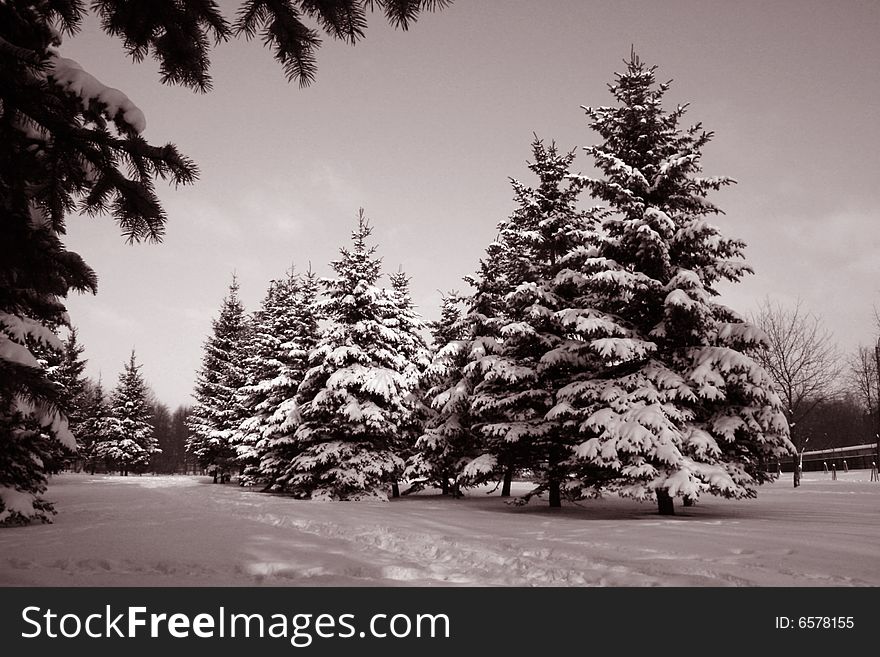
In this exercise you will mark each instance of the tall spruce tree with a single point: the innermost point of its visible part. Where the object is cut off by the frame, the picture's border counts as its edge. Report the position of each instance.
(130, 442)
(354, 399)
(217, 413)
(406, 321)
(64, 368)
(277, 445)
(270, 325)
(285, 330)
(678, 407)
(516, 402)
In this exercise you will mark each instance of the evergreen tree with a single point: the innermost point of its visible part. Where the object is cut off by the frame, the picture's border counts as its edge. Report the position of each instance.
(485, 318)
(130, 442)
(285, 329)
(407, 323)
(68, 375)
(353, 400)
(448, 442)
(448, 328)
(95, 426)
(262, 367)
(276, 446)
(453, 450)
(516, 401)
(677, 407)
(217, 414)
(64, 369)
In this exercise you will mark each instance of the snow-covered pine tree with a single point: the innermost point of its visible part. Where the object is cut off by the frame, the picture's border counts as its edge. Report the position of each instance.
(93, 431)
(448, 442)
(516, 401)
(483, 323)
(217, 413)
(406, 321)
(452, 450)
(68, 373)
(263, 362)
(63, 368)
(130, 442)
(277, 447)
(679, 407)
(353, 400)
(448, 327)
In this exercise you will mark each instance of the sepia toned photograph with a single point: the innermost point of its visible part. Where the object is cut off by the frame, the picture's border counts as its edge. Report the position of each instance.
(423, 293)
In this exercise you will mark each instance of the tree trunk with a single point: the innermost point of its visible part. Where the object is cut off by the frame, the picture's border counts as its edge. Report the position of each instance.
(665, 507)
(395, 490)
(688, 500)
(508, 479)
(215, 477)
(796, 476)
(555, 497)
(444, 486)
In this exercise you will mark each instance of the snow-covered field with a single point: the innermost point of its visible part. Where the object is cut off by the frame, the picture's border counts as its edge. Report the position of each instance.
(185, 531)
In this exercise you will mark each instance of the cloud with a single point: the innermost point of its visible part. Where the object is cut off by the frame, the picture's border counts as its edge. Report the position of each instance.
(108, 318)
(828, 261)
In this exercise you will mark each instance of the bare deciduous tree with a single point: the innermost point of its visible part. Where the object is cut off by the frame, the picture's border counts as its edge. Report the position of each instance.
(864, 371)
(803, 360)
(863, 377)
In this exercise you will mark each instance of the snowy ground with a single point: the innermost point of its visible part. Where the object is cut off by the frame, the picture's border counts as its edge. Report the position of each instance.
(185, 531)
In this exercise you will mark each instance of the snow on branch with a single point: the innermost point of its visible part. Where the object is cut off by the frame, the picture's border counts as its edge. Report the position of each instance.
(70, 76)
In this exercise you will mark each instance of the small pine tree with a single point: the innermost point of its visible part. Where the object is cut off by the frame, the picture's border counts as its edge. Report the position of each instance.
(95, 426)
(448, 442)
(453, 448)
(354, 399)
(217, 414)
(130, 443)
(68, 374)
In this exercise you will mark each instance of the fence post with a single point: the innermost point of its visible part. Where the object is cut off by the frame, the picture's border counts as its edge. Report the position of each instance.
(834, 472)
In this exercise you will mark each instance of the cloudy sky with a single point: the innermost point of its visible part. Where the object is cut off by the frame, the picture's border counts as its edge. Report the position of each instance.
(423, 128)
